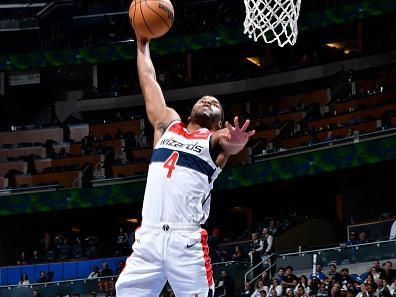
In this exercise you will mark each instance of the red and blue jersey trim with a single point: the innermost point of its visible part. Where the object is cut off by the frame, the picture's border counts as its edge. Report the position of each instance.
(180, 129)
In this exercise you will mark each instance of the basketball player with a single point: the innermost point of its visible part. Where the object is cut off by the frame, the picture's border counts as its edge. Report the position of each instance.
(170, 245)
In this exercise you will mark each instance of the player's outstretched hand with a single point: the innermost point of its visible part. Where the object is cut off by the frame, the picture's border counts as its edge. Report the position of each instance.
(237, 137)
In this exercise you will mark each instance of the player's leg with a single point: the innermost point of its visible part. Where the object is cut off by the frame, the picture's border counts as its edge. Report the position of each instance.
(143, 275)
(187, 264)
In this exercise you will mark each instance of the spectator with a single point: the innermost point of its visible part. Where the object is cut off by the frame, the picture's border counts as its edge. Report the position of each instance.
(35, 257)
(363, 238)
(281, 275)
(64, 249)
(24, 280)
(301, 291)
(247, 292)
(122, 242)
(36, 293)
(213, 242)
(90, 242)
(43, 277)
(289, 292)
(392, 287)
(302, 283)
(381, 288)
(62, 153)
(322, 292)
(265, 277)
(255, 249)
(335, 290)
(375, 274)
(22, 259)
(272, 228)
(345, 277)
(266, 247)
(77, 249)
(318, 274)
(121, 265)
(226, 286)
(330, 136)
(259, 286)
(349, 133)
(238, 255)
(369, 279)
(263, 293)
(377, 266)
(106, 271)
(94, 273)
(363, 291)
(333, 274)
(50, 151)
(389, 273)
(352, 239)
(277, 287)
(290, 280)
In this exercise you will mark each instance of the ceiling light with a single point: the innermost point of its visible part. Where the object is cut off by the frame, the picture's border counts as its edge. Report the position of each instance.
(254, 60)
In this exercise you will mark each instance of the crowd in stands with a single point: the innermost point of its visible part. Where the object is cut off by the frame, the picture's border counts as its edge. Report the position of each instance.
(172, 72)
(71, 246)
(366, 105)
(377, 281)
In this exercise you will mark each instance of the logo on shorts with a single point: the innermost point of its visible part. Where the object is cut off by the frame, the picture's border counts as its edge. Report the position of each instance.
(191, 245)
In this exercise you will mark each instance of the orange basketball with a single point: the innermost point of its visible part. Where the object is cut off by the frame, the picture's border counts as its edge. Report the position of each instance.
(151, 18)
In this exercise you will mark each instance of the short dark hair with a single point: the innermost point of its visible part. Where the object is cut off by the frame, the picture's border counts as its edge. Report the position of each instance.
(289, 267)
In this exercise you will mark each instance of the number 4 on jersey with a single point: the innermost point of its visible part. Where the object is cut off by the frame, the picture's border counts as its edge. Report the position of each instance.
(170, 163)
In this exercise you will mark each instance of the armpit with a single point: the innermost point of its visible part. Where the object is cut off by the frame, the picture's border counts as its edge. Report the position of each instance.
(161, 127)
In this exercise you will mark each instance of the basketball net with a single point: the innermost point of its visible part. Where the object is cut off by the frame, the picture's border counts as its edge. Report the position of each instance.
(273, 20)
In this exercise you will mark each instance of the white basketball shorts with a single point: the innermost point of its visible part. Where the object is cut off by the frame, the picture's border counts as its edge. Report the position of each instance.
(164, 251)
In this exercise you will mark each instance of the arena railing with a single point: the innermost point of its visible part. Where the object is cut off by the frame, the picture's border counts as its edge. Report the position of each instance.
(375, 230)
(229, 247)
(325, 144)
(61, 271)
(236, 270)
(106, 285)
(266, 264)
(100, 285)
(342, 254)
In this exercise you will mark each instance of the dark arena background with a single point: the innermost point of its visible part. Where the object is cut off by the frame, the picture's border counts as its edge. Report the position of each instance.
(318, 177)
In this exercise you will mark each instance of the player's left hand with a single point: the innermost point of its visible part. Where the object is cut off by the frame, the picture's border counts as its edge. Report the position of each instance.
(237, 137)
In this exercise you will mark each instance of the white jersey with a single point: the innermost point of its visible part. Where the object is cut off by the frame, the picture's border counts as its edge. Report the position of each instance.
(180, 177)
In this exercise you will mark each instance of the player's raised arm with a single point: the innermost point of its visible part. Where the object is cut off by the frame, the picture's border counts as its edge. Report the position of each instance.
(158, 113)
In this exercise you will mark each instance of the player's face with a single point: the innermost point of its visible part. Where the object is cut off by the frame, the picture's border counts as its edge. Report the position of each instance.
(207, 112)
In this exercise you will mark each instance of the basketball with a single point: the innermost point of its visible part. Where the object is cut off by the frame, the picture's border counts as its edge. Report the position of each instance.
(151, 18)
